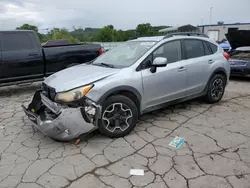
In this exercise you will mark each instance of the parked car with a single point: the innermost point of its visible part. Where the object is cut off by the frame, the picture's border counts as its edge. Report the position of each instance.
(240, 52)
(138, 76)
(225, 46)
(24, 60)
(240, 61)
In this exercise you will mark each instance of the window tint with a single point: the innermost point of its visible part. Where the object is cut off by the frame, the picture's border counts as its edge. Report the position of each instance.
(206, 48)
(194, 48)
(170, 50)
(213, 47)
(17, 41)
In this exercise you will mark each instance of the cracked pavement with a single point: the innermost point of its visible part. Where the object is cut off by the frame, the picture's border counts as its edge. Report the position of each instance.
(215, 154)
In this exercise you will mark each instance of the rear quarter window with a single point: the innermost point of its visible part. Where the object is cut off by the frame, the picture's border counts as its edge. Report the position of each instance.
(206, 48)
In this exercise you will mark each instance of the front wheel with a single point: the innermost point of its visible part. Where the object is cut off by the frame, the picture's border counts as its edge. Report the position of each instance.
(119, 116)
(216, 89)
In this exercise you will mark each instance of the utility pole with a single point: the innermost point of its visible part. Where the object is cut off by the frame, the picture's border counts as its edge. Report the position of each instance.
(210, 17)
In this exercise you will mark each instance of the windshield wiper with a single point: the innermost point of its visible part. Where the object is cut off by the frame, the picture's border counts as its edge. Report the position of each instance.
(105, 64)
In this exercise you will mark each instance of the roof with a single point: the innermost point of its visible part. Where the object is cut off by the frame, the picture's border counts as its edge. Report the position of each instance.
(15, 31)
(224, 24)
(186, 28)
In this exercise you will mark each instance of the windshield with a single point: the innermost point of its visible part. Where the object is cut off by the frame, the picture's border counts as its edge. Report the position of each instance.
(124, 55)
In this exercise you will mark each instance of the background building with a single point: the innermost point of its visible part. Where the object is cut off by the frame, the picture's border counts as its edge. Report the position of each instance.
(182, 28)
(218, 31)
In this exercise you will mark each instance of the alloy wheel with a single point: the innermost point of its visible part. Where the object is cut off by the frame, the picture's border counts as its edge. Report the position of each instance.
(217, 88)
(117, 117)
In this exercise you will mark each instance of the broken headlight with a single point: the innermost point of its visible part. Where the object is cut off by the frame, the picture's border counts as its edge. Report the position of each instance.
(74, 95)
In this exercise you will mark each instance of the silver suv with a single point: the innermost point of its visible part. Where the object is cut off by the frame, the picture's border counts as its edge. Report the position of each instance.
(138, 76)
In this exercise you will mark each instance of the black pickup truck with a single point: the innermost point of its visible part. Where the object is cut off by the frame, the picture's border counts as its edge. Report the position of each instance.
(24, 60)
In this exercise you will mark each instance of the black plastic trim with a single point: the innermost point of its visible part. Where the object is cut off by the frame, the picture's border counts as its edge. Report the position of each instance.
(84, 115)
(117, 89)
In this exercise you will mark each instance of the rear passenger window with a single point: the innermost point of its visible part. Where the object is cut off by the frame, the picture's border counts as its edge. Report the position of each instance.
(206, 48)
(213, 47)
(194, 48)
(14, 41)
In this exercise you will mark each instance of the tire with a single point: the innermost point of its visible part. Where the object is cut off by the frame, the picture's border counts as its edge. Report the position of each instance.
(112, 107)
(211, 97)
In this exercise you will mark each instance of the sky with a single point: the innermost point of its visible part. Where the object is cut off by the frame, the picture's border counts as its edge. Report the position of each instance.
(126, 14)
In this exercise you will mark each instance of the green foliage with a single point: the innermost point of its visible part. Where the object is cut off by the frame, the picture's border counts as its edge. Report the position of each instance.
(28, 27)
(32, 28)
(105, 34)
(57, 33)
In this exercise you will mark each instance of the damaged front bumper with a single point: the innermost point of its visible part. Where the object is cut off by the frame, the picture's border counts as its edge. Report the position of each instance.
(62, 122)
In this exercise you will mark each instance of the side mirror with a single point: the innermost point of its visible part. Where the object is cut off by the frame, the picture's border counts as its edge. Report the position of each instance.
(158, 62)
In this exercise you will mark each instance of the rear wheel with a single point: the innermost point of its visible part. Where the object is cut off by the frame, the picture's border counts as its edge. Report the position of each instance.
(216, 88)
(119, 116)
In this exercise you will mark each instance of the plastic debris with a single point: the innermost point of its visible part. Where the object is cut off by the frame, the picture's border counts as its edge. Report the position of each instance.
(137, 172)
(176, 142)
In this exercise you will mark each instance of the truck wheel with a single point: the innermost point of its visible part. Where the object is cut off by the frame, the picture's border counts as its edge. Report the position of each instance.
(119, 116)
(216, 89)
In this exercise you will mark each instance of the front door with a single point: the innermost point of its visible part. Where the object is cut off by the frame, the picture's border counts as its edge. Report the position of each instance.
(167, 83)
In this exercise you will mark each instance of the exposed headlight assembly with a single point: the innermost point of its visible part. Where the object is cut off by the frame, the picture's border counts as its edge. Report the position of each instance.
(74, 95)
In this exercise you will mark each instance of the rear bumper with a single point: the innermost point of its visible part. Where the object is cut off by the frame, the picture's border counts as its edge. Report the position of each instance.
(64, 123)
(240, 70)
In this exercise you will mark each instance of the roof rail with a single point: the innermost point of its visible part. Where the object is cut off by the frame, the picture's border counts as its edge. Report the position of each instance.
(186, 34)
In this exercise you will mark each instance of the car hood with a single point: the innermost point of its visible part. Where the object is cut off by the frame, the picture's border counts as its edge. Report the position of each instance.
(239, 38)
(78, 76)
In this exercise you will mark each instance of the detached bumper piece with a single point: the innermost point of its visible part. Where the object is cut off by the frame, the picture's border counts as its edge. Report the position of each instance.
(59, 122)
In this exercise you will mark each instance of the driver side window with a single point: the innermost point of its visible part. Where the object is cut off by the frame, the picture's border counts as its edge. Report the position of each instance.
(170, 50)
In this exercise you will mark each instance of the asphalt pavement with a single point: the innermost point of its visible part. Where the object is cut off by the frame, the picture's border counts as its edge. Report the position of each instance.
(215, 153)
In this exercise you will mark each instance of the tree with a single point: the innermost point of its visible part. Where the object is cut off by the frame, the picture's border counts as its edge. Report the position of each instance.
(57, 33)
(106, 34)
(32, 28)
(28, 27)
(145, 30)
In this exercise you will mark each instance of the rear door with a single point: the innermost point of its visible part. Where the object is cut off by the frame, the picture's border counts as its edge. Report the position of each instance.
(199, 60)
(21, 57)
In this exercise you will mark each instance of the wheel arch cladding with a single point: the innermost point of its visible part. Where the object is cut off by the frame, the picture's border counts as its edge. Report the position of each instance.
(220, 71)
(126, 91)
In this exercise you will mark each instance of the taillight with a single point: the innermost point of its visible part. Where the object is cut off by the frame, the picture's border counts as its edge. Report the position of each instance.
(226, 55)
(100, 51)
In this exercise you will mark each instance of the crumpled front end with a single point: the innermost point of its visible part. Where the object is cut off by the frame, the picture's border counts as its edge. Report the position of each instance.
(62, 122)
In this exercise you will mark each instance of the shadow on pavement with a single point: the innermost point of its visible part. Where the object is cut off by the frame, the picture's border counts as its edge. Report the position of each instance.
(240, 78)
(15, 90)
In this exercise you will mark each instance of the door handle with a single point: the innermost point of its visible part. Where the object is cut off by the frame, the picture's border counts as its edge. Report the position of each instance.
(210, 61)
(33, 54)
(181, 69)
